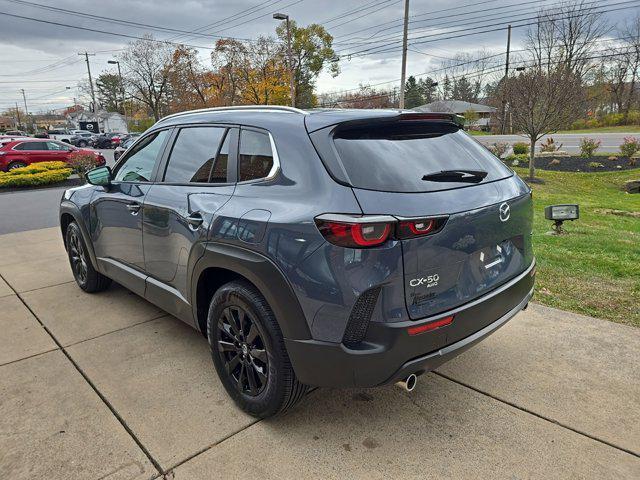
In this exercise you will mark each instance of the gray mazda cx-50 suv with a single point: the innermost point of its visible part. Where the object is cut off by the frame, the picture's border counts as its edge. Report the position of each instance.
(343, 248)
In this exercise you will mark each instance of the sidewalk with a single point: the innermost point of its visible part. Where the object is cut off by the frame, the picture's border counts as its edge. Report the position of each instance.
(109, 386)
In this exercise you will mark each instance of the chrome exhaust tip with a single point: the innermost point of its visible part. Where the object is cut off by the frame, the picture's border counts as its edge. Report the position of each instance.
(409, 383)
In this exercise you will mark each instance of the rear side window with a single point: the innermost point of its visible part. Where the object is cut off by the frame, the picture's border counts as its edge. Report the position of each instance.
(395, 157)
(193, 154)
(256, 157)
(31, 146)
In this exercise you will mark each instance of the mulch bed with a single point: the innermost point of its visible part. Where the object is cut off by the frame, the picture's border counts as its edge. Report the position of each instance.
(580, 164)
(68, 183)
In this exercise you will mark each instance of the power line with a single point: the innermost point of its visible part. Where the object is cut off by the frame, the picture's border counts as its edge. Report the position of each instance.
(365, 15)
(370, 40)
(230, 18)
(465, 32)
(496, 69)
(354, 11)
(415, 16)
(118, 21)
(466, 24)
(284, 7)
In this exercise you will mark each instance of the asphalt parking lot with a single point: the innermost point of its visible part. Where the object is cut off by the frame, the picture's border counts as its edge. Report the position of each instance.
(108, 386)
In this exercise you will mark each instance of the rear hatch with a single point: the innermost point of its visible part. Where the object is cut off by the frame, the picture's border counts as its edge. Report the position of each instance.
(415, 167)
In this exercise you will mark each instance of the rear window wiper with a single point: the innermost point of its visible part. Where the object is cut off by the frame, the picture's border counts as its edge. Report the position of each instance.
(464, 176)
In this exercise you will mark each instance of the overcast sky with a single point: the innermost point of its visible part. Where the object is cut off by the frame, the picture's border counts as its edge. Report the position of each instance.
(42, 58)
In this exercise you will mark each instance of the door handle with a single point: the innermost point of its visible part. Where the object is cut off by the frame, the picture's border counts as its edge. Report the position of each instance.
(133, 208)
(195, 220)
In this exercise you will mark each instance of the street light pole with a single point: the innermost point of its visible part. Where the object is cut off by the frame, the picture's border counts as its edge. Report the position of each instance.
(292, 88)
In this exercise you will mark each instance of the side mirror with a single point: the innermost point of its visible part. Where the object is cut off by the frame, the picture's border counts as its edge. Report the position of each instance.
(100, 176)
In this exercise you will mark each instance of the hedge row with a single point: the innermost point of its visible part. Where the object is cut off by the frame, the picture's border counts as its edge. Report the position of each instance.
(41, 173)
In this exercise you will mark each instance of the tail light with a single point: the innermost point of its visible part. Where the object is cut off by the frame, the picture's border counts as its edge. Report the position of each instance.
(367, 231)
(418, 227)
(355, 232)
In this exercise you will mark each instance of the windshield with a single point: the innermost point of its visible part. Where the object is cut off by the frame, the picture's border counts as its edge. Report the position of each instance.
(400, 157)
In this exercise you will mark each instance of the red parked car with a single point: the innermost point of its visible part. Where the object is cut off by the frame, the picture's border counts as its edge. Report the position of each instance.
(23, 152)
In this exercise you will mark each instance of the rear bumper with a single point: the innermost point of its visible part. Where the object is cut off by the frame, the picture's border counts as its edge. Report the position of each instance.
(389, 353)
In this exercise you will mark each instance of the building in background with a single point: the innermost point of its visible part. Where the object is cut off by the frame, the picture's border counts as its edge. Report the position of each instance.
(481, 116)
(107, 121)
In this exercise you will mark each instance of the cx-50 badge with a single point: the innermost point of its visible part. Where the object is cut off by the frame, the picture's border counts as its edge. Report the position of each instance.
(505, 212)
(430, 281)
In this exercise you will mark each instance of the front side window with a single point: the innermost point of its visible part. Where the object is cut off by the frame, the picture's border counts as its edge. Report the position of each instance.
(193, 155)
(256, 157)
(31, 146)
(138, 165)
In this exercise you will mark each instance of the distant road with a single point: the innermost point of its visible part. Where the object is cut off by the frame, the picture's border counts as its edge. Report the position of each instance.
(32, 209)
(570, 141)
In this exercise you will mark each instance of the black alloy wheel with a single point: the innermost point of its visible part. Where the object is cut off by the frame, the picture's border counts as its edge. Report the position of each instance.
(87, 277)
(78, 258)
(243, 350)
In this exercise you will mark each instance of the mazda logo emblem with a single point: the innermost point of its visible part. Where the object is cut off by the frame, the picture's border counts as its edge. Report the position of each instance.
(505, 212)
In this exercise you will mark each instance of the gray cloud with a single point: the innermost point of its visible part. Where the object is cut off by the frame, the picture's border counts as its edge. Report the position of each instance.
(26, 45)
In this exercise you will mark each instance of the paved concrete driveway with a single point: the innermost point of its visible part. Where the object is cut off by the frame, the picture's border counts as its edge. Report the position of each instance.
(108, 386)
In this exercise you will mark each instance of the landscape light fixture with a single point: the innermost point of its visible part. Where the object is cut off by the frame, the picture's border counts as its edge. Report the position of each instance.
(559, 213)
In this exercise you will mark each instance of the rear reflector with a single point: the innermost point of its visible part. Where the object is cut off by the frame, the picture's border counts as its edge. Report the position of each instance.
(427, 327)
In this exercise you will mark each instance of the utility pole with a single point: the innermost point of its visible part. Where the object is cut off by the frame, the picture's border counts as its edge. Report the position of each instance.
(403, 74)
(26, 110)
(124, 105)
(292, 86)
(93, 93)
(503, 120)
(17, 117)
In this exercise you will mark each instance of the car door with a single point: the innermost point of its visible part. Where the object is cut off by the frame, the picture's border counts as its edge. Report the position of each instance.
(116, 212)
(194, 181)
(33, 151)
(57, 151)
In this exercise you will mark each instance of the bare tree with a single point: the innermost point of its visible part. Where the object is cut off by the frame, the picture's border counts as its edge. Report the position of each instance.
(542, 102)
(147, 65)
(469, 74)
(565, 35)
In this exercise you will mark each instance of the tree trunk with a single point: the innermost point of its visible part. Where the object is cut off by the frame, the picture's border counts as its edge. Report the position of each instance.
(532, 155)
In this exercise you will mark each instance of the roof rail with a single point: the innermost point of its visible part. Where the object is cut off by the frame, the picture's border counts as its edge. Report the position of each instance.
(275, 108)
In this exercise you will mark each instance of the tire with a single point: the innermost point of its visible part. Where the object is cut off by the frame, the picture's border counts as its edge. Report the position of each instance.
(16, 164)
(87, 278)
(241, 323)
(82, 144)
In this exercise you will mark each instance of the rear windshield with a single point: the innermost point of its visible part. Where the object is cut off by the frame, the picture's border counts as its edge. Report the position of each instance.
(395, 157)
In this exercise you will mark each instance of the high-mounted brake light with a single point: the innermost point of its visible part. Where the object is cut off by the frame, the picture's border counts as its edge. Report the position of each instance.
(427, 327)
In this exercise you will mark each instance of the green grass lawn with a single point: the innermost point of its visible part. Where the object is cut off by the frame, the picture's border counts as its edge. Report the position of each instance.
(618, 129)
(593, 269)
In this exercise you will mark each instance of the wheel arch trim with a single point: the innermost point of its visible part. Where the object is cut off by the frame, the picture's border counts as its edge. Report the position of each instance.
(264, 275)
(69, 208)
